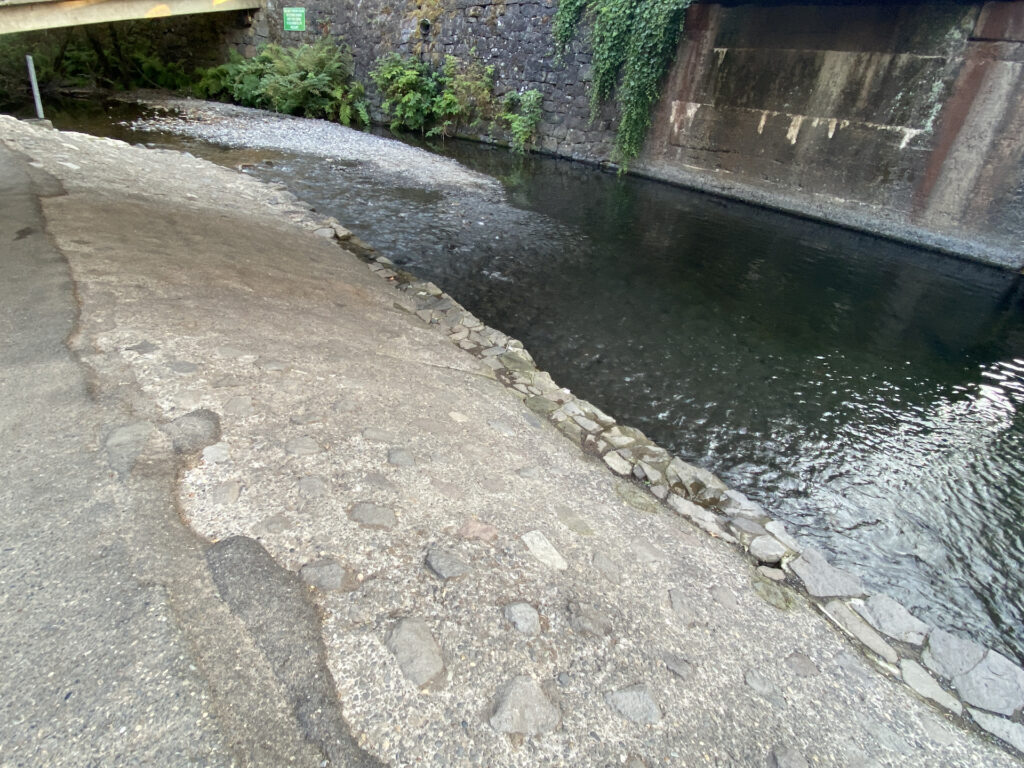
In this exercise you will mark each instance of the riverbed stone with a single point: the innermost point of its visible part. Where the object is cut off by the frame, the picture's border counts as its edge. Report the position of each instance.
(786, 757)
(995, 684)
(889, 617)
(543, 550)
(822, 579)
(948, 655)
(446, 565)
(418, 654)
(370, 515)
(1010, 732)
(524, 618)
(520, 707)
(860, 629)
(767, 549)
(917, 677)
(635, 702)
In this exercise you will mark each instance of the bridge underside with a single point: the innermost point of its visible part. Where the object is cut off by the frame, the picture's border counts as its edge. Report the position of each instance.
(27, 16)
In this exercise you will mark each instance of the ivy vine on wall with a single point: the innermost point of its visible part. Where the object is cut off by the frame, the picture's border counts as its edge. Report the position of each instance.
(634, 42)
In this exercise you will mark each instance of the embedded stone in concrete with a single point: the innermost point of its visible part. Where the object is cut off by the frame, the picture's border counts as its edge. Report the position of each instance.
(574, 522)
(759, 682)
(682, 606)
(777, 529)
(995, 684)
(786, 757)
(678, 666)
(635, 703)
(520, 706)
(143, 348)
(736, 504)
(769, 590)
(746, 530)
(477, 531)
(124, 444)
(645, 552)
(373, 434)
(305, 418)
(226, 492)
(275, 524)
(607, 568)
(502, 427)
(194, 431)
(216, 453)
(861, 630)
(822, 579)
(724, 596)
(692, 479)
(1010, 732)
(588, 620)
(917, 677)
(239, 405)
(949, 656)
(691, 511)
(302, 446)
(370, 515)
(543, 550)
(523, 617)
(775, 574)
(182, 366)
(329, 575)
(446, 565)
(400, 457)
(418, 654)
(801, 664)
(312, 486)
(617, 464)
(767, 549)
(892, 619)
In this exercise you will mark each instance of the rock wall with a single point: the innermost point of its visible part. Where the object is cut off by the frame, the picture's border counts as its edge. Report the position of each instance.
(902, 118)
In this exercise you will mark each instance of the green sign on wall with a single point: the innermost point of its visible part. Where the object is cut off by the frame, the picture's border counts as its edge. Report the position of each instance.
(294, 19)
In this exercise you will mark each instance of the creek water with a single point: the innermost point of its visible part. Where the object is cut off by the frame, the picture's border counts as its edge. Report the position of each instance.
(868, 393)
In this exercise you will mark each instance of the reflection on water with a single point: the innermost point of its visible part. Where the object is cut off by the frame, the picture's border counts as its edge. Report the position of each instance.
(868, 393)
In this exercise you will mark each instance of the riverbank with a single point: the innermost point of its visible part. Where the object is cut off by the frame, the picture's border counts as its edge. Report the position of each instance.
(490, 594)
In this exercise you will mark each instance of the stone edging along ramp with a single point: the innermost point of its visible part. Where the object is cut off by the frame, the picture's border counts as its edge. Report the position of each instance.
(976, 684)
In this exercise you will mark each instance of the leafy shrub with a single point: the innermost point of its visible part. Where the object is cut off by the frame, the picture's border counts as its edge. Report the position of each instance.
(522, 114)
(435, 103)
(409, 89)
(310, 80)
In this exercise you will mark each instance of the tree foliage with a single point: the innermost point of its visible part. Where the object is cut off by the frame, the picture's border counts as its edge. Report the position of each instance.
(634, 42)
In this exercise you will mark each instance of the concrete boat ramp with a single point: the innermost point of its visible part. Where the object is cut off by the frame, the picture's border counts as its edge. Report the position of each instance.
(265, 504)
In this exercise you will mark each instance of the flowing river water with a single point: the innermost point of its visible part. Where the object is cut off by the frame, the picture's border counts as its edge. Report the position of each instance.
(868, 393)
